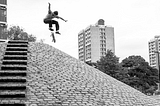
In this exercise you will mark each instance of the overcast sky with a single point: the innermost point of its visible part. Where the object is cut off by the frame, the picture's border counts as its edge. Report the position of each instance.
(135, 22)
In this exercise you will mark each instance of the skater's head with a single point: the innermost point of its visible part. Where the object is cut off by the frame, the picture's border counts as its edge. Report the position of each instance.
(55, 12)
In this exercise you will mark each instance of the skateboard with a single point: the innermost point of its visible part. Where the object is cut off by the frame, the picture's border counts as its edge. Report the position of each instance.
(52, 34)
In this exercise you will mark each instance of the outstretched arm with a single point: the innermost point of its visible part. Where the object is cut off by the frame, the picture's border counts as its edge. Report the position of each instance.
(49, 9)
(61, 18)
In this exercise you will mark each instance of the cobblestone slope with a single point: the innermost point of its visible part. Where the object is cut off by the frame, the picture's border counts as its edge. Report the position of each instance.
(157, 97)
(57, 79)
(2, 51)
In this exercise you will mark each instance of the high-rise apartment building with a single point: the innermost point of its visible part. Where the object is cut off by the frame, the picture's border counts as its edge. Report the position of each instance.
(94, 41)
(154, 49)
(3, 17)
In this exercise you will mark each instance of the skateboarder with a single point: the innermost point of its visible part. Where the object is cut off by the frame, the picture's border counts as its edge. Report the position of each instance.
(49, 19)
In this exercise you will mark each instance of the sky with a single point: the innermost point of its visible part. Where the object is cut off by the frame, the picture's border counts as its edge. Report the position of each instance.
(135, 22)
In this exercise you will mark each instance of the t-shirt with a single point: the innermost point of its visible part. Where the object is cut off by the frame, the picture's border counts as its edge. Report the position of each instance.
(49, 16)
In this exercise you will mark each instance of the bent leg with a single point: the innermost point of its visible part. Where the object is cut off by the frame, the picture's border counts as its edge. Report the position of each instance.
(56, 24)
(47, 21)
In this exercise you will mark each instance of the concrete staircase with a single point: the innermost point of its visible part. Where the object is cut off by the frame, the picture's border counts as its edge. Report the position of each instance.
(13, 74)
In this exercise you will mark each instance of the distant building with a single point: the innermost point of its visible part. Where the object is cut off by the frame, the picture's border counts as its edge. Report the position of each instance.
(154, 49)
(3, 18)
(94, 41)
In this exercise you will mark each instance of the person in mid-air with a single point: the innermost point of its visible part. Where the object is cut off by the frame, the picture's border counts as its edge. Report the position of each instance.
(49, 19)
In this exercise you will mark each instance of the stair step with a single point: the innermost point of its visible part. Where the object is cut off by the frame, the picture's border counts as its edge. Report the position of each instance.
(18, 41)
(13, 81)
(13, 68)
(14, 63)
(16, 49)
(12, 87)
(6, 92)
(2, 41)
(12, 96)
(16, 71)
(15, 53)
(4, 74)
(14, 58)
(17, 45)
(15, 104)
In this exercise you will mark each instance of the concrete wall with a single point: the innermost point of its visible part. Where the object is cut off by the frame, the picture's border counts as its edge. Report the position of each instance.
(95, 43)
(110, 45)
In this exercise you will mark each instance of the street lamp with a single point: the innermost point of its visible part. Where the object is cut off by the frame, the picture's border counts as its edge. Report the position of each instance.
(158, 61)
(158, 68)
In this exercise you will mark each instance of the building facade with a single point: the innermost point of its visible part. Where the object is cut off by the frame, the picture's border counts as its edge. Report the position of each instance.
(154, 49)
(94, 41)
(3, 18)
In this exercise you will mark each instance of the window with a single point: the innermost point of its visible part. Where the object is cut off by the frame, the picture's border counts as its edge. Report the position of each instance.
(3, 14)
(3, 2)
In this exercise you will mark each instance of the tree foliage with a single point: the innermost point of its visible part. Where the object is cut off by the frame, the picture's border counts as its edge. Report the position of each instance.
(139, 74)
(109, 64)
(132, 61)
(133, 70)
(18, 33)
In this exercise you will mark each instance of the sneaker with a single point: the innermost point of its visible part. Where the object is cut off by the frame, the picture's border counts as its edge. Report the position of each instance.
(58, 32)
(51, 29)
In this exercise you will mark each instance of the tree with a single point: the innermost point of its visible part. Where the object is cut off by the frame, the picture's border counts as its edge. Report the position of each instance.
(17, 33)
(139, 74)
(132, 61)
(109, 64)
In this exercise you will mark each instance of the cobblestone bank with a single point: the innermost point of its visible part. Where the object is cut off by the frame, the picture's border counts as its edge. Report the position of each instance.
(57, 79)
(2, 51)
(157, 97)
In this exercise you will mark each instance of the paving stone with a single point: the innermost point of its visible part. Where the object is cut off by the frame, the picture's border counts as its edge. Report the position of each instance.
(54, 78)
(73, 82)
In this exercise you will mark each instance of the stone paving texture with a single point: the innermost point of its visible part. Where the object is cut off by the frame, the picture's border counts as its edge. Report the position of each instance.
(157, 97)
(2, 51)
(56, 79)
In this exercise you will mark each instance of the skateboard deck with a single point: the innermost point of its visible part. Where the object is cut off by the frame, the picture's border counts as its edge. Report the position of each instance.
(53, 40)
